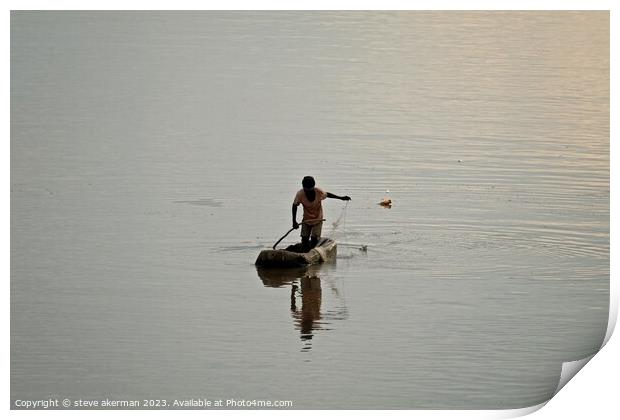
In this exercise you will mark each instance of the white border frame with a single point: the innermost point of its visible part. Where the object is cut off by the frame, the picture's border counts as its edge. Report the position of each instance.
(594, 390)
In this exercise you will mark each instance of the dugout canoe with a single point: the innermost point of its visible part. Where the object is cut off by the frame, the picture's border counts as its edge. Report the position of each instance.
(291, 256)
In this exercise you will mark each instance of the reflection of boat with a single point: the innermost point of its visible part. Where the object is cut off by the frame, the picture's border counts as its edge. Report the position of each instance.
(278, 277)
(293, 256)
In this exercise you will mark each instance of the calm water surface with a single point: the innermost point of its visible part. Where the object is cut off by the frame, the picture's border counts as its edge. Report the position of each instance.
(154, 154)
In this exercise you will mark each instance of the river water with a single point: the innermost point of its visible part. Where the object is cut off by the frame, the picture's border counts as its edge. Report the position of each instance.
(154, 154)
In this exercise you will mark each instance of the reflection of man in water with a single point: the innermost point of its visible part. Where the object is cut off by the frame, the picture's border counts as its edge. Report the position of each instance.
(305, 319)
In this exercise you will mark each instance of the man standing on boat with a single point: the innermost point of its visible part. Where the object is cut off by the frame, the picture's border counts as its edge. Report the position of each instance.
(310, 198)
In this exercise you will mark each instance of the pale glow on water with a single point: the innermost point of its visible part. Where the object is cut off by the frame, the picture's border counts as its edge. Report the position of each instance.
(154, 154)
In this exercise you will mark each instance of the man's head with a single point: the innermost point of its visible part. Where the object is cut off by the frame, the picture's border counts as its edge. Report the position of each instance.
(308, 183)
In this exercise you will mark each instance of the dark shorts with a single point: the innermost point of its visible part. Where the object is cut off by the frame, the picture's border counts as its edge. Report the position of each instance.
(312, 230)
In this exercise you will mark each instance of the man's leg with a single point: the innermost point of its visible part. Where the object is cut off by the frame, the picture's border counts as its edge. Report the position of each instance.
(305, 237)
(305, 243)
(316, 234)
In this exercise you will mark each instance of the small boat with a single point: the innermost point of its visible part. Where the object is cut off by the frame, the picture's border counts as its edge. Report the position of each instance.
(293, 255)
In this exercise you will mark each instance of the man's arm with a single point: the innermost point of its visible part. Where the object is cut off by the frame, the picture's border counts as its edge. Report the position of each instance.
(344, 197)
(295, 224)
